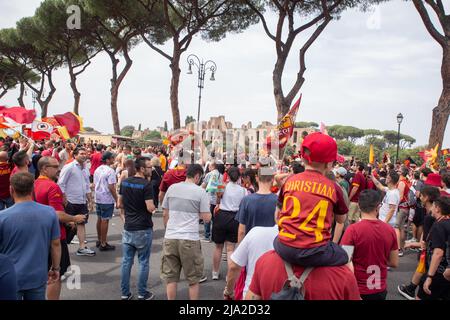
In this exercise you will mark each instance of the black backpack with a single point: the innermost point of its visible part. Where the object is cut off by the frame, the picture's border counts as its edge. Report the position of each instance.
(293, 288)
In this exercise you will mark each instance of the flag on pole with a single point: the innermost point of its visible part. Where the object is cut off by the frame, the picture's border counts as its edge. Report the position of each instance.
(371, 155)
(285, 128)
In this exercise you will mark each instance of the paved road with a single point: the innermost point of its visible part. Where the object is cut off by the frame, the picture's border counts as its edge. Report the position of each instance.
(100, 275)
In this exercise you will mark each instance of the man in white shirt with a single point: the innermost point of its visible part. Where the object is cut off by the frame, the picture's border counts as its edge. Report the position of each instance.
(105, 198)
(184, 203)
(391, 200)
(257, 242)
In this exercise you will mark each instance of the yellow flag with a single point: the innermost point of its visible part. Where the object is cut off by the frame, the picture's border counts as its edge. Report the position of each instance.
(371, 155)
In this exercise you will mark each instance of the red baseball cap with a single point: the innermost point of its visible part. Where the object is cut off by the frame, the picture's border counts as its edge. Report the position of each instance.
(322, 148)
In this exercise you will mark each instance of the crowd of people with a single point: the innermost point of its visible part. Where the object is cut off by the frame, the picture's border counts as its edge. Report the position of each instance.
(332, 229)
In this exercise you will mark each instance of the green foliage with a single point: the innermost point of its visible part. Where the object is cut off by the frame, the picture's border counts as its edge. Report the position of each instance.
(127, 131)
(376, 142)
(305, 124)
(391, 137)
(345, 132)
(166, 127)
(153, 135)
(345, 147)
(372, 132)
(188, 120)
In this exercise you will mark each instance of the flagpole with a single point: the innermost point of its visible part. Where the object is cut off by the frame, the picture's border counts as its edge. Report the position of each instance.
(21, 134)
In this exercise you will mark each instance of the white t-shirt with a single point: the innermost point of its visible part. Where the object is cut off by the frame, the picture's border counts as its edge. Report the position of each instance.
(185, 201)
(103, 177)
(257, 242)
(232, 197)
(392, 197)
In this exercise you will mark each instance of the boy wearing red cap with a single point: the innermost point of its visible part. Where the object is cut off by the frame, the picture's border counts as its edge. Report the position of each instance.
(307, 203)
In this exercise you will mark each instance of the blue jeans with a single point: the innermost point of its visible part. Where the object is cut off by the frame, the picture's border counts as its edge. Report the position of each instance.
(105, 211)
(32, 294)
(207, 226)
(132, 242)
(6, 203)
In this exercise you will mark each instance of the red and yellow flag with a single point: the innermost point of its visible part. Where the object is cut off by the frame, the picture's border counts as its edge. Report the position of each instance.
(285, 128)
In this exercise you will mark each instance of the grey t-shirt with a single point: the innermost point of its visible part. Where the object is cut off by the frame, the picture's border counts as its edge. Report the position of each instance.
(185, 201)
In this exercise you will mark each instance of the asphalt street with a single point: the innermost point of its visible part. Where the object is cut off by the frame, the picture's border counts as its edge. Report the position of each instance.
(100, 274)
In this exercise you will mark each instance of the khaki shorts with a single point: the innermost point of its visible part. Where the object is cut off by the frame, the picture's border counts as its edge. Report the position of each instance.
(402, 217)
(186, 254)
(354, 214)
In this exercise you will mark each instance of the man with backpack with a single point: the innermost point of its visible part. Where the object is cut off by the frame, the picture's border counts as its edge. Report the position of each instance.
(322, 283)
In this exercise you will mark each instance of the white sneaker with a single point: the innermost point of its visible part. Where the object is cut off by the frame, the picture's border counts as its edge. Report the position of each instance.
(215, 275)
(85, 252)
(75, 240)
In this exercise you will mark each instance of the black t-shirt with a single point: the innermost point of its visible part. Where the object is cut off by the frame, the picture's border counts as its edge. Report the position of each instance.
(134, 192)
(428, 221)
(437, 239)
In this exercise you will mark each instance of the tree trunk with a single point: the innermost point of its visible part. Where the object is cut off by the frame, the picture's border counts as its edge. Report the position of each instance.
(280, 100)
(114, 95)
(116, 81)
(174, 84)
(3, 93)
(76, 93)
(22, 92)
(442, 111)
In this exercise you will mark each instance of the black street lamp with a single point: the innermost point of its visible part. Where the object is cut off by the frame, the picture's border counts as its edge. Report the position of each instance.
(192, 59)
(399, 121)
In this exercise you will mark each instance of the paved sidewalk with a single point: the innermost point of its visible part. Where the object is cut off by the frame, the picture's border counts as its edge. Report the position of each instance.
(100, 275)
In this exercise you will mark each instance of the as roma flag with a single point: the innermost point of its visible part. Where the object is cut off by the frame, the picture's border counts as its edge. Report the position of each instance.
(285, 128)
(41, 130)
(18, 114)
(71, 121)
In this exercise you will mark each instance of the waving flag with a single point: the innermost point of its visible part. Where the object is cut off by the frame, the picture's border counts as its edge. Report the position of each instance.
(4, 123)
(371, 155)
(72, 123)
(41, 130)
(285, 128)
(19, 115)
(430, 157)
(323, 128)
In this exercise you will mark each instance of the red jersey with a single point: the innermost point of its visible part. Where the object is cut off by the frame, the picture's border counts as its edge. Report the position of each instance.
(358, 181)
(171, 177)
(14, 171)
(5, 174)
(373, 241)
(323, 283)
(309, 200)
(47, 192)
(96, 161)
(404, 196)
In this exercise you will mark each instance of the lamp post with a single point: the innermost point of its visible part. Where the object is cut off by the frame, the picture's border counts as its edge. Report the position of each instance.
(399, 121)
(202, 67)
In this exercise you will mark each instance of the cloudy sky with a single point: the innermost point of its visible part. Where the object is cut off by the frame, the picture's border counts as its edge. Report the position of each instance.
(362, 71)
